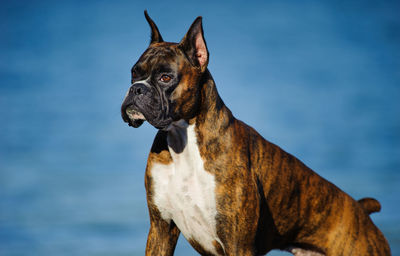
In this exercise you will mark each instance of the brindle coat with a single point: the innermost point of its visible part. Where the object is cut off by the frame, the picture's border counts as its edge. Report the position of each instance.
(265, 198)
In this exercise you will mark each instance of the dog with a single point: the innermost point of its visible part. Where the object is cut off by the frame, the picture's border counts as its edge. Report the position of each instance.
(217, 181)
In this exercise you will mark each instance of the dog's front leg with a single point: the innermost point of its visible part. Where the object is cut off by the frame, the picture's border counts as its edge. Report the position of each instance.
(162, 238)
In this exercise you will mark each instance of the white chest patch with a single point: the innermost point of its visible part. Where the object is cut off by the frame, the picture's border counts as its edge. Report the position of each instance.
(184, 191)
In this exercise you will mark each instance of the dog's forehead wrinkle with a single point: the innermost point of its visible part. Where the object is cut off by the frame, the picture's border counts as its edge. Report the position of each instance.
(161, 51)
(164, 67)
(155, 56)
(160, 65)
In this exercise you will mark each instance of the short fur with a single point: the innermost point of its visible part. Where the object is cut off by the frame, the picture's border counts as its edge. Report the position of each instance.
(265, 198)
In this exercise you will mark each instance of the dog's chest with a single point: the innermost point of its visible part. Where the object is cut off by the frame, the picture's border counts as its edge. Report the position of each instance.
(185, 193)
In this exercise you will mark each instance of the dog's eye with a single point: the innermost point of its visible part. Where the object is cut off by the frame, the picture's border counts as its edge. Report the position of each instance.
(165, 78)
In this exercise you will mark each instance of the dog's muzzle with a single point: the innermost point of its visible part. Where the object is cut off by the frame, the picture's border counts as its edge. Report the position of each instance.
(145, 103)
(128, 111)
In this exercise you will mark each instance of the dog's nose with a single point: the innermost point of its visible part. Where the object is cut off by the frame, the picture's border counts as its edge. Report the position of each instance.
(138, 89)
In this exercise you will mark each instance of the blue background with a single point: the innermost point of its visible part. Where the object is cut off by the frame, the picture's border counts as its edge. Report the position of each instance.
(319, 78)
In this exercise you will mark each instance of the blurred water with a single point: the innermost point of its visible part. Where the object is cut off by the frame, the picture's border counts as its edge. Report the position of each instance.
(320, 79)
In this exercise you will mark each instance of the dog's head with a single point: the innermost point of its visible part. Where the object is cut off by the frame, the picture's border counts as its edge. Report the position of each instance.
(166, 80)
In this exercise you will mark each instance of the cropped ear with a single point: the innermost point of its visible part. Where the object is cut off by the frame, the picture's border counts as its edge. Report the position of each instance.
(194, 45)
(155, 34)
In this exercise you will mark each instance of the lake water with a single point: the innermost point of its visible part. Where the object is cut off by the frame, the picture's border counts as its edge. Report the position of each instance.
(319, 78)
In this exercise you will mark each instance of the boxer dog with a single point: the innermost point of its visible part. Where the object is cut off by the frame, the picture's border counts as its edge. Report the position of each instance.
(217, 181)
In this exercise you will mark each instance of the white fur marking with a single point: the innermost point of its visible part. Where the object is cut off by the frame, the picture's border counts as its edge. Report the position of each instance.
(142, 82)
(185, 193)
(302, 252)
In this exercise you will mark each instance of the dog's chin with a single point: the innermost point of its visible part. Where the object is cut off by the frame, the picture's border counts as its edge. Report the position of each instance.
(136, 123)
(161, 124)
(135, 118)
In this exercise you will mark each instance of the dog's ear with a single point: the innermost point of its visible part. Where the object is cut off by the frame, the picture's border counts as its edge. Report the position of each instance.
(155, 34)
(194, 45)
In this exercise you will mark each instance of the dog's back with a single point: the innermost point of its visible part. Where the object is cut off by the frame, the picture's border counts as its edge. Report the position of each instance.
(305, 210)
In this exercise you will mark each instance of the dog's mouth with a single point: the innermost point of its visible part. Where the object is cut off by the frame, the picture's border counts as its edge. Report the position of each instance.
(133, 117)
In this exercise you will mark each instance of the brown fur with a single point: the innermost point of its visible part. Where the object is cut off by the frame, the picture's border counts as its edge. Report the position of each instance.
(266, 198)
(370, 205)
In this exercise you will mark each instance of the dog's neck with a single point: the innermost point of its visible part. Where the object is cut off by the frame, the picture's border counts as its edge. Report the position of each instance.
(212, 118)
(213, 114)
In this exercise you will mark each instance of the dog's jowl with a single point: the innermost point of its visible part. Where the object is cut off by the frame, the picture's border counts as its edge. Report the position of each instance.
(218, 182)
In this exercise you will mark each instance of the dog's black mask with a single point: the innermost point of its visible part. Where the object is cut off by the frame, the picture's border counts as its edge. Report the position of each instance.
(154, 78)
(165, 84)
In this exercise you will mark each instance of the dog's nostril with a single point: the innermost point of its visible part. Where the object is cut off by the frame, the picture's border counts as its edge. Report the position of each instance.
(138, 91)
